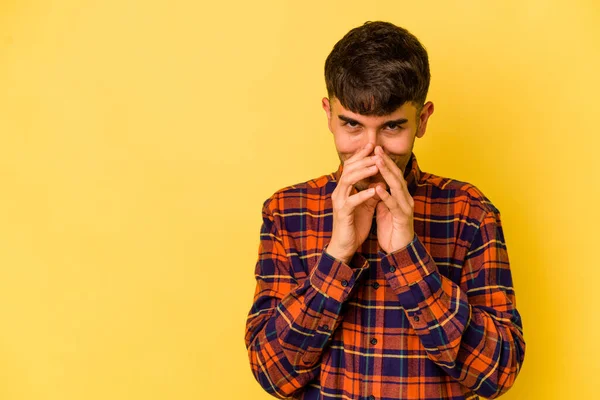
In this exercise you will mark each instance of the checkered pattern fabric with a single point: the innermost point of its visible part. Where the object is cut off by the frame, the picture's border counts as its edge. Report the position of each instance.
(434, 320)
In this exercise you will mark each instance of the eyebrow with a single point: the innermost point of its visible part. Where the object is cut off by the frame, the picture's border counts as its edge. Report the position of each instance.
(399, 121)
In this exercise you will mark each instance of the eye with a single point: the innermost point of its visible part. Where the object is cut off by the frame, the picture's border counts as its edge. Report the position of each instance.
(394, 127)
(351, 124)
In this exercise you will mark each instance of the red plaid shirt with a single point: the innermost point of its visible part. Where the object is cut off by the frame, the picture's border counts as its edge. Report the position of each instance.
(435, 320)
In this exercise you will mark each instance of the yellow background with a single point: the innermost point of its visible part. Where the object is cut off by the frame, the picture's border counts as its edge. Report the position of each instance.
(138, 140)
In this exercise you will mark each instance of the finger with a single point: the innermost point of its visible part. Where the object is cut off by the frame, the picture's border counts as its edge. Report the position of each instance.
(407, 201)
(358, 175)
(374, 185)
(359, 198)
(347, 180)
(399, 175)
(365, 151)
(399, 191)
(401, 198)
(358, 164)
(407, 196)
(390, 202)
(389, 162)
(390, 176)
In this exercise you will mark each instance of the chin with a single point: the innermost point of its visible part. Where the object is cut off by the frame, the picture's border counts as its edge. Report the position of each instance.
(360, 186)
(367, 183)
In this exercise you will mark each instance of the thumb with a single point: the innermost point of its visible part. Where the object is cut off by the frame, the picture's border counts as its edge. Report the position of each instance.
(374, 186)
(371, 203)
(382, 209)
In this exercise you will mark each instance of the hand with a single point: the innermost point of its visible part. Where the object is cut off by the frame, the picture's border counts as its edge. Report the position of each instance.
(395, 229)
(352, 210)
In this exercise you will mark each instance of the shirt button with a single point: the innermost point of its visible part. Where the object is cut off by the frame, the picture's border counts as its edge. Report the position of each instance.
(371, 397)
(373, 341)
(325, 327)
(375, 285)
(392, 269)
(417, 318)
(344, 283)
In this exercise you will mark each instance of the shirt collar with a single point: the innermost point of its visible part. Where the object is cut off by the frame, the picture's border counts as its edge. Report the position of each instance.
(412, 174)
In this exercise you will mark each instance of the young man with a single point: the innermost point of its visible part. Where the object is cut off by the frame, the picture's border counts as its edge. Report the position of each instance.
(381, 281)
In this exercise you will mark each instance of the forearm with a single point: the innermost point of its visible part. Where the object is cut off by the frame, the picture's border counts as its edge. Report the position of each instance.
(286, 338)
(476, 339)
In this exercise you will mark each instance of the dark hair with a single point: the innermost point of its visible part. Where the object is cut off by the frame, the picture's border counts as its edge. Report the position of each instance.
(376, 68)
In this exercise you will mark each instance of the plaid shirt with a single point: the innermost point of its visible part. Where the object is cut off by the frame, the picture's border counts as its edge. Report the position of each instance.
(435, 320)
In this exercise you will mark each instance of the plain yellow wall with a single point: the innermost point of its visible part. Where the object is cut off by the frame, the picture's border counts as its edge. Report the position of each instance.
(138, 140)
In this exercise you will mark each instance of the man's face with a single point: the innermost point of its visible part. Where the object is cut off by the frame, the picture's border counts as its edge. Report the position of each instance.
(394, 132)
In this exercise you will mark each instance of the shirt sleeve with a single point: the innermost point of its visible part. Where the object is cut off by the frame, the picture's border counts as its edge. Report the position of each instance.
(476, 334)
(294, 314)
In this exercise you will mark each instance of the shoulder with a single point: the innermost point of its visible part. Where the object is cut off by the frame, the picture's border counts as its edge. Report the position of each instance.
(465, 197)
(300, 196)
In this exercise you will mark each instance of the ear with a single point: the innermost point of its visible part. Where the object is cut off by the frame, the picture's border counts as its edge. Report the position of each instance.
(327, 107)
(424, 117)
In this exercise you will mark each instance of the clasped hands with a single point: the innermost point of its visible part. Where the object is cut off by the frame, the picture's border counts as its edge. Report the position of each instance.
(353, 210)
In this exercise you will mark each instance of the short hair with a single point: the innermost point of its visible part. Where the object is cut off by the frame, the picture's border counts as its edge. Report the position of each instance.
(376, 68)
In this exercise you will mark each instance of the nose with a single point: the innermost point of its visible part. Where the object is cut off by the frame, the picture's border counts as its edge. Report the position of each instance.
(374, 138)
